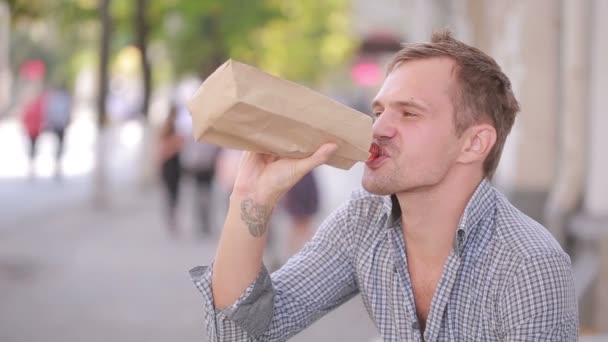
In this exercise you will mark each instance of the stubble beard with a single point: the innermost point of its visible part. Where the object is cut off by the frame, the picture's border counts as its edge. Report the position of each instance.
(379, 183)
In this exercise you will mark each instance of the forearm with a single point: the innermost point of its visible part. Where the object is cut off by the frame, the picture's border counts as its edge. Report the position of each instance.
(261, 181)
(238, 258)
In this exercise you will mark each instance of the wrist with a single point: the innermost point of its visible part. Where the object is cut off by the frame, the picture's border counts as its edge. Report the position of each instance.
(254, 213)
(267, 200)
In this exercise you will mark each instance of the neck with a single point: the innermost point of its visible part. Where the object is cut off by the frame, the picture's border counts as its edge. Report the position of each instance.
(430, 216)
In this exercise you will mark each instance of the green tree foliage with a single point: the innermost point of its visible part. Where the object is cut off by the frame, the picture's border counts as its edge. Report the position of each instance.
(298, 40)
(63, 33)
(309, 39)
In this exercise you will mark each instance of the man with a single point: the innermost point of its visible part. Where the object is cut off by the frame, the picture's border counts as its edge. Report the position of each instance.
(198, 160)
(435, 251)
(33, 120)
(58, 113)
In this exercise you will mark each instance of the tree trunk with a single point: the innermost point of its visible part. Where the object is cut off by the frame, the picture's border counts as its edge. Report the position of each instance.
(146, 155)
(104, 58)
(142, 39)
(5, 90)
(211, 31)
(100, 185)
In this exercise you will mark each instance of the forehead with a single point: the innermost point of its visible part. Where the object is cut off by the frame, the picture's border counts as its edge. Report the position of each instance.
(429, 80)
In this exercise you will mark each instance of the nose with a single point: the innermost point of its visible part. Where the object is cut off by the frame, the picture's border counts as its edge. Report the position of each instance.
(384, 127)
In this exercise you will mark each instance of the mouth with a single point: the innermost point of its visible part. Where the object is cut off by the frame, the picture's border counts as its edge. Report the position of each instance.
(378, 155)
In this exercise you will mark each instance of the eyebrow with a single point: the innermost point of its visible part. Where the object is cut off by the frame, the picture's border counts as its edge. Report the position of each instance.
(404, 103)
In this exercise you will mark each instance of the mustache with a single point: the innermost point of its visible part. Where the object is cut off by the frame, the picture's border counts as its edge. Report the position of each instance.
(381, 142)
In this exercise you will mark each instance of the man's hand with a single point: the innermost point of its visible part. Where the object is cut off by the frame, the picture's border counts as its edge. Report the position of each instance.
(263, 178)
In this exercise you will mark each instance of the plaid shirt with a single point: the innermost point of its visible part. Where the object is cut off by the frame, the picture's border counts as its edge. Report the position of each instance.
(506, 279)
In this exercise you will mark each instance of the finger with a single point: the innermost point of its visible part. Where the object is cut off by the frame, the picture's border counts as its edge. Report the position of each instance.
(246, 157)
(269, 158)
(321, 156)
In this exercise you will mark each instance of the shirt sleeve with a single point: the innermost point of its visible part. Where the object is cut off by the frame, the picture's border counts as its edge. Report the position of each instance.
(274, 308)
(540, 302)
(226, 324)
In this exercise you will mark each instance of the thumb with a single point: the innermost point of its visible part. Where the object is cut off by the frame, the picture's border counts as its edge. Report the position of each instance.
(321, 156)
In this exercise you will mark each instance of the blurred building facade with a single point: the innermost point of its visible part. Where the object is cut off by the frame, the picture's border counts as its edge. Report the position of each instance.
(553, 166)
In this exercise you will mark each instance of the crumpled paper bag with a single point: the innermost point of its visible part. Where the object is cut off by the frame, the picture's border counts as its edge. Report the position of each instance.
(244, 108)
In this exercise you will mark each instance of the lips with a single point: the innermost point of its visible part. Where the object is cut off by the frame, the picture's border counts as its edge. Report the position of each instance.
(375, 152)
(378, 156)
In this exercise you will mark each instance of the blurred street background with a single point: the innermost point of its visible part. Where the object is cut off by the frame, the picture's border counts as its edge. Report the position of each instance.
(106, 202)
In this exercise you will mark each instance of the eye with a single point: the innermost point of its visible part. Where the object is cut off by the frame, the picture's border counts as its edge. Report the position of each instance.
(409, 114)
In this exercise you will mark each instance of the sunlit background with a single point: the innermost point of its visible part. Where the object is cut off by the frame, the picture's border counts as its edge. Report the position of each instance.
(86, 250)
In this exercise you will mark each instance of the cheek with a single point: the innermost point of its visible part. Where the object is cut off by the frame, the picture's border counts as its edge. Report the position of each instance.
(429, 147)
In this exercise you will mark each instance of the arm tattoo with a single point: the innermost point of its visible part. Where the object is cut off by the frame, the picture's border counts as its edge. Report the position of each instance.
(256, 217)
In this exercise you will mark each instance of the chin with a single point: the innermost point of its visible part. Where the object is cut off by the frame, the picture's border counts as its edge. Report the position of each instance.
(376, 186)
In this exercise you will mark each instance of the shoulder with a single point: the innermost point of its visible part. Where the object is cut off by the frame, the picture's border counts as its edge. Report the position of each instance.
(521, 236)
(518, 242)
(536, 282)
(527, 254)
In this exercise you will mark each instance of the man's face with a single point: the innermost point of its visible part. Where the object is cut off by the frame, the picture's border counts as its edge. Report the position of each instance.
(414, 128)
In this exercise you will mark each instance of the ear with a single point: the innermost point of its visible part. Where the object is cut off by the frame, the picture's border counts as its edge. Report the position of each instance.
(478, 142)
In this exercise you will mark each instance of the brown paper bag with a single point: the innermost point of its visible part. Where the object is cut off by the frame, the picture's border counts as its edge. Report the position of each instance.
(241, 107)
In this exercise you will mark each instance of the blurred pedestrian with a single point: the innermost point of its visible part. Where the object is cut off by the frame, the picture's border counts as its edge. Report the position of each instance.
(58, 113)
(170, 144)
(33, 121)
(199, 160)
(302, 204)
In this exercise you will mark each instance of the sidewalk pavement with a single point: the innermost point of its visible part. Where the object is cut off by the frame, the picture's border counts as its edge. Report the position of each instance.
(78, 274)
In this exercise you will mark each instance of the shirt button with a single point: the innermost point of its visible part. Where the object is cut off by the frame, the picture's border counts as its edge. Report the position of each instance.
(415, 325)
